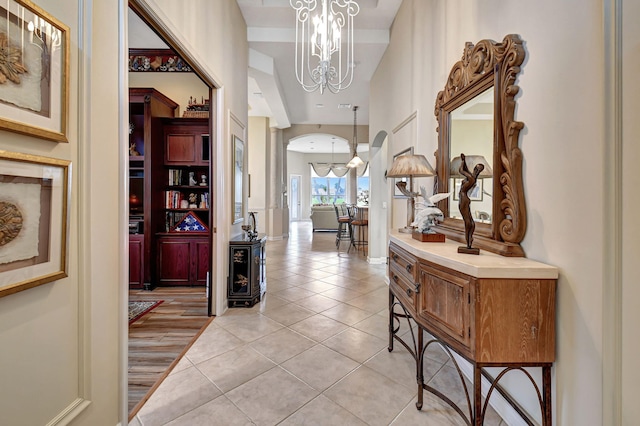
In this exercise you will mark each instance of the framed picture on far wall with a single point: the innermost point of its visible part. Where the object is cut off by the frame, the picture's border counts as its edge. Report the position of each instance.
(396, 191)
(34, 207)
(238, 184)
(35, 74)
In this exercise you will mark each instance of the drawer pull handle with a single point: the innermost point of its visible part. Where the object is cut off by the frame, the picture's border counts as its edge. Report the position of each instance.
(409, 292)
(395, 278)
(409, 268)
(394, 257)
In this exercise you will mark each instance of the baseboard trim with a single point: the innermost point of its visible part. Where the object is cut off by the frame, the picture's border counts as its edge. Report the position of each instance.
(377, 260)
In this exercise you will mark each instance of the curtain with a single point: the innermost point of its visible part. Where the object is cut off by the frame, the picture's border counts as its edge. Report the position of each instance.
(338, 169)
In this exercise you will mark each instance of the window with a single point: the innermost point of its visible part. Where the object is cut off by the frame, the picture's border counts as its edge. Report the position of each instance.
(363, 188)
(328, 190)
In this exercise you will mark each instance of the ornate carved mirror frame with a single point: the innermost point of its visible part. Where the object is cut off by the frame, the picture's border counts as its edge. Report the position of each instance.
(485, 65)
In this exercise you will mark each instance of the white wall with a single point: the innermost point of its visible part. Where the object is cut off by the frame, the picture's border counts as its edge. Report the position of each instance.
(562, 144)
(61, 341)
(628, 310)
(257, 156)
(176, 86)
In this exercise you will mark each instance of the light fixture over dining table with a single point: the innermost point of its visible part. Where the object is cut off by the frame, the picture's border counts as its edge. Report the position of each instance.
(355, 161)
(324, 56)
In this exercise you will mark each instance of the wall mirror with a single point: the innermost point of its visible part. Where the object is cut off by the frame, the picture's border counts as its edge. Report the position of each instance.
(475, 113)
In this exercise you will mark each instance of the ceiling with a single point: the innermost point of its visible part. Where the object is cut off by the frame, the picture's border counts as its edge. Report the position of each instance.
(273, 90)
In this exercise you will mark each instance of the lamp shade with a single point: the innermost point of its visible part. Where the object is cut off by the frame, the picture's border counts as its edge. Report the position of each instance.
(411, 166)
(355, 162)
(472, 161)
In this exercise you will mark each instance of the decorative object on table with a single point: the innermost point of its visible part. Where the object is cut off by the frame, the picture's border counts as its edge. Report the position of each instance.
(34, 71)
(139, 308)
(190, 223)
(409, 166)
(477, 192)
(464, 204)
(252, 227)
(426, 217)
(324, 43)
(34, 218)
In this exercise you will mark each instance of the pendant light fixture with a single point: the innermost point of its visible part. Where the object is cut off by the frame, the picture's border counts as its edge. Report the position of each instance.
(355, 161)
(324, 43)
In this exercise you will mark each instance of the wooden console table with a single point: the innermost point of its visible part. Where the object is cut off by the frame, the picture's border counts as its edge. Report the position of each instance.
(494, 311)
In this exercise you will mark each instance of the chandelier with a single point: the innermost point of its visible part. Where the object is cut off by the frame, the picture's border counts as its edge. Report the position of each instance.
(324, 43)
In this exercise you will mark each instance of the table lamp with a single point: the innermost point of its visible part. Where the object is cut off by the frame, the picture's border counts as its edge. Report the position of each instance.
(410, 166)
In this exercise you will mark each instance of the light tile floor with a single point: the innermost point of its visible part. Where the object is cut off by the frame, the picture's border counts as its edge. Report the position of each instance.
(312, 352)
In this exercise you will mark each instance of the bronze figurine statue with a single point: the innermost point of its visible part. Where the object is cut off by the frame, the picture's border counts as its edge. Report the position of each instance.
(465, 204)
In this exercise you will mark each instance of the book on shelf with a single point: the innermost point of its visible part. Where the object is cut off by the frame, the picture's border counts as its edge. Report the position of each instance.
(175, 176)
(172, 219)
(176, 200)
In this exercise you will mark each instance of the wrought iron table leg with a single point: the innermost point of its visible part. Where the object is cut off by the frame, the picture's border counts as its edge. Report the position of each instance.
(391, 300)
(477, 395)
(420, 368)
(546, 391)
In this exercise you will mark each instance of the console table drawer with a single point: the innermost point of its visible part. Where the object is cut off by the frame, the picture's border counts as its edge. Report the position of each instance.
(403, 262)
(406, 291)
(445, 303)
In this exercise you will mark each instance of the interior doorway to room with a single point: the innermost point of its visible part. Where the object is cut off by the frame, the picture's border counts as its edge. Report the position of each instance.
(295, 205)
(174, 269)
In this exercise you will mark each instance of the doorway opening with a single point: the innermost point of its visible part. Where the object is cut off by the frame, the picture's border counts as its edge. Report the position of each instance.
(295, 203)
(173, 108)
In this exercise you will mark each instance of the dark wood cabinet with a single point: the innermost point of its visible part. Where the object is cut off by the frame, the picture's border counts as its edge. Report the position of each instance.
(247, 281)
(146, 152)
(183, 260)
(186, 142)
(136, 261)
(491, 310)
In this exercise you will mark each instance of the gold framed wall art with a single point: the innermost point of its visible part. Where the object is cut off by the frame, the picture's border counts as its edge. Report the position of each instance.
(34, 220)
(34, 71)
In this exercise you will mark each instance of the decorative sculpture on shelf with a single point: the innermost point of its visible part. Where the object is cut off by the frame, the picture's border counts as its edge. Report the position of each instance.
(192, 179)
(464, 204)
(252, 228)
(427, 214)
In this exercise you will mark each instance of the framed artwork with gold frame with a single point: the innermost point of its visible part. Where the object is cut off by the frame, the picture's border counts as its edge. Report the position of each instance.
(34, 71)
(34, 219)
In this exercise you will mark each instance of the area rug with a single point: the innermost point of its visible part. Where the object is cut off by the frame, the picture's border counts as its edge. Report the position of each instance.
(138, 308)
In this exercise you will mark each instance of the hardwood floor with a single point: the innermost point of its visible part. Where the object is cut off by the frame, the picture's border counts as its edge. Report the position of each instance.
(158, 340)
